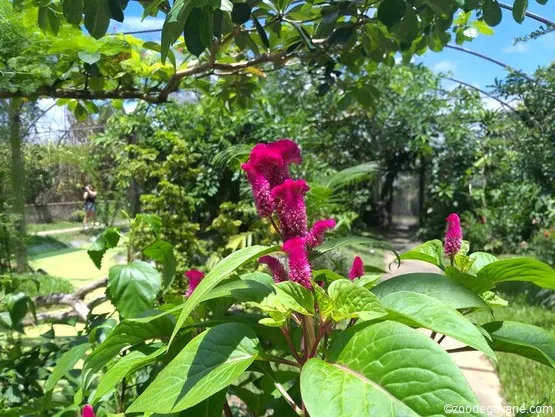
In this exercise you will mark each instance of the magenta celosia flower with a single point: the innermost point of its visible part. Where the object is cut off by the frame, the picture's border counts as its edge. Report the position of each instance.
(195, 277)
(299, 267)
(357, 270)
(291, 207)
(87, 411)
(275, 266)
(453, 235)
(316, 235)
(261, 190)
(273, 159)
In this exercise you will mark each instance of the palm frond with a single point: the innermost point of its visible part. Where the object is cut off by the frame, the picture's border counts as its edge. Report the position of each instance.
(352, 174)
(233, 154)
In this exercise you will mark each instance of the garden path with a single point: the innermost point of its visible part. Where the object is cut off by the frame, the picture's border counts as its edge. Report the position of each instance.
(477, 369)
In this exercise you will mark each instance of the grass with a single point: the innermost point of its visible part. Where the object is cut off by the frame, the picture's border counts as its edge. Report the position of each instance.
(33, 228)
(524, 382)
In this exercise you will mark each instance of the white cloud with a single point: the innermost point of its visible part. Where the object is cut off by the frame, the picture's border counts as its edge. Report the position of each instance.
(130, 106)
(518, 48)
(445, 66)
(491, 104)
(135, 23)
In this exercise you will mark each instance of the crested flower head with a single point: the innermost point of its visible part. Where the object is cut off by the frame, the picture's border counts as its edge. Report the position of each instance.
(299, 267)
(261, 190)
(357, 270)
(87, 411)
(316, 235)
(195, 277)
(291, 207)
(273, 159)
(275, 266)
(453, 235)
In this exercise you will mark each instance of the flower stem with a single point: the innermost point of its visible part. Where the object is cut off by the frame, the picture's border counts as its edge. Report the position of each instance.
(288, 398)
(276, 228)
(309, 336)
(287, 335)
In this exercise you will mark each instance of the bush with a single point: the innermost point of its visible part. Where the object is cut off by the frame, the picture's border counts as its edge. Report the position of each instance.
(77, 216)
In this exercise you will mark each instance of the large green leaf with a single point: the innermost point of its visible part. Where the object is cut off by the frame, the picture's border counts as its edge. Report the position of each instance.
(129, 332)
(391, 12)
(519, 10)
(108, 239)
(132, 288)
(430, 251)
(520, 269)
(523, 339)
(66, 363)
(211, 407)
(421, 310)
(174, 24)
(353, 301)
(73, 11)
(295, 297)
(492, 12)
(125, 366)
(241, 290)
(472, 282)
(162, 252)
(435, 285)
(97, 17)
(208, 364)
(479, 260)
(387, 369)
(220, 272)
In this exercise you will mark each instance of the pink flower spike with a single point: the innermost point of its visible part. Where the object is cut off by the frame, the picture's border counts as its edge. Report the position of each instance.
(275, 266)
(299, 267)
(87, 411)
(195, 277)
(357, 270)
(261, 190)
(453, 235)
(289, 151)
(291, 207)
(272, 160)
(316, 235)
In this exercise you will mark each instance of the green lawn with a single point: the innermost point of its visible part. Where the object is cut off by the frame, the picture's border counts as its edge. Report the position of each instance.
(524, 381)
(61, 224)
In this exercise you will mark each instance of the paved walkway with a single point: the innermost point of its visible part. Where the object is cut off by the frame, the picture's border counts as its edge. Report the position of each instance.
(75, 229)
(477, 369)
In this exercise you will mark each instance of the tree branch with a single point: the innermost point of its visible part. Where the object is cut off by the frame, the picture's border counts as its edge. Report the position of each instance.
(530, 15)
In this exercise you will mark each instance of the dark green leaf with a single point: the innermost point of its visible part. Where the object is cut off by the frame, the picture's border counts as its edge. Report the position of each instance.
(162, 252)
(435, 285)
(240, 13)
(17, 305)
(327, 24)
(523, 339)
(115, 9)
(261, 32)
(43, 17)
(97, 17)
(108, 239)
(492, 12)
(65, 364)
(341, 35)
(443, 8)
(304, 35)
(388, 370)
(295, 297)
(211, 407)
(73, 11)
(174, 25)
(473, 283)
(53, 21)
(519, 10)
(332, 244)
(132, 288)
(208, 364)
(391, 12)
(195, 38)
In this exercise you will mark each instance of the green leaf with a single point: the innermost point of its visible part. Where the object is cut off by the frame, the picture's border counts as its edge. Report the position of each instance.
(17, 305)
(194, 32)
(132, 288)
(479, 260)
(482, 27)
(73, 11)
(89, 58)
(304, 35)
(472, 282)
(53, 21)
(211, 407)
(162, 252)
(208, 364)
(42, 17)
(129, 332)
(221, 271)
(240, 13)
(421, 310)
(152, 221)
(242, 290)
(295, 297)
(261, 32)
(437, 286)
(523, 339)
(342, 34)
(174, 24)
(430, 251)
(65, 364)
(391, 12)
(125, 366)
(325, 304)
(520, 269)
(388, 370)
(108, 239)
(97, 17)
(328, 22)
(116, 11)
(492, 12)
(353, 301)
(443, 8)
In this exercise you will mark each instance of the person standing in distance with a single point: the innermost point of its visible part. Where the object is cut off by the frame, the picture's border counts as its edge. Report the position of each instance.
(90, 204)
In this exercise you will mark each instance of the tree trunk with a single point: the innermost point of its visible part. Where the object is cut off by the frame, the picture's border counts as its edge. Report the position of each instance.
(18, 183)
